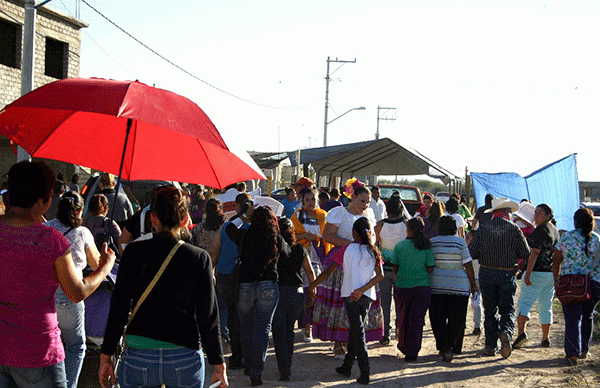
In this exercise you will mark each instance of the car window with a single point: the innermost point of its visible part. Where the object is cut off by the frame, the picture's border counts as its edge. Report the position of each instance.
(406, 194)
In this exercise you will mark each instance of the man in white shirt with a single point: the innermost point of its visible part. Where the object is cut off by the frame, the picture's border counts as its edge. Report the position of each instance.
(377, 204)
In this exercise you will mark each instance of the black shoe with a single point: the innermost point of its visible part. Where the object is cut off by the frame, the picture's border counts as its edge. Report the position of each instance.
(284, 378)
(520, 341)
(546, 343)
(410, 358)
(235, 364)
(363, 379)
(476, 331)
(247, 371)
(447, 356)
(344, 370)
(255, 381)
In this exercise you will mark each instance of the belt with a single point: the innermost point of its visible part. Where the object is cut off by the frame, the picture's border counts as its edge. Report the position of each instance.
(502, 269)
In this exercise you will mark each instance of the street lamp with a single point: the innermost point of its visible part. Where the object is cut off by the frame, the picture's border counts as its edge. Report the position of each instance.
(329, 122)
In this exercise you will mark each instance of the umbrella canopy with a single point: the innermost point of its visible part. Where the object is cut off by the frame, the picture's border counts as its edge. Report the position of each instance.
(85, 122)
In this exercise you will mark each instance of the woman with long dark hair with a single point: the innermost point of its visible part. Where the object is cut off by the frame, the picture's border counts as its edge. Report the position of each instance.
(362, 270)
(309, 224)
(260, 249)
(330, 320)
(389, 232)
(204, 232)
(538, 282)
(413, 262)
(576, 253)
(163, 338)
(431, 222)
(71, 316)
(291, 297)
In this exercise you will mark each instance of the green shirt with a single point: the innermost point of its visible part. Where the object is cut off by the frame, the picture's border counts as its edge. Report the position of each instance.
(412, 264)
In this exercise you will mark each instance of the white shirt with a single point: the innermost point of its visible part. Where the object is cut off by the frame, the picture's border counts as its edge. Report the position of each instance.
(378, 207)
(460, 222)
(359, 268)
(344, 220)
(80, 238)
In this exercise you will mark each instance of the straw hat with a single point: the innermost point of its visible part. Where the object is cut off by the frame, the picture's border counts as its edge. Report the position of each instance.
(502, 203)
(526, 212)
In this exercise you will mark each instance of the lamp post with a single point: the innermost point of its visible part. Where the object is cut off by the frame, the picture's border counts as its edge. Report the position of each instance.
(329, 122)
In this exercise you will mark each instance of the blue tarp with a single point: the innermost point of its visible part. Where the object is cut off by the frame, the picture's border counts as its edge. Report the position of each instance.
(556, 184)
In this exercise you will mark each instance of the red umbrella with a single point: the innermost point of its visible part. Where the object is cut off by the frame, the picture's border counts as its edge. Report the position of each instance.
(108, 125)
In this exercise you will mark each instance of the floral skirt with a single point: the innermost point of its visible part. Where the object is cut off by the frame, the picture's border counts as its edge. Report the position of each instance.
(330, 319)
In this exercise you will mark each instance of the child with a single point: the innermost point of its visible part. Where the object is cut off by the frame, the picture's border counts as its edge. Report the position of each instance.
(361, 260)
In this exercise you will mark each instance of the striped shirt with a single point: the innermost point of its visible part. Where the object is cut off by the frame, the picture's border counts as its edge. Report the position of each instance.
(499, 244)
(449, 276)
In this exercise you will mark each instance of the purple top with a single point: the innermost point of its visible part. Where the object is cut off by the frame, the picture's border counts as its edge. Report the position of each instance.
(29, 333)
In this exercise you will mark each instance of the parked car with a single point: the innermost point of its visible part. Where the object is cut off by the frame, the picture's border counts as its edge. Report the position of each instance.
(278, 194)
(595, 207)
(442, 196)
(410, 195)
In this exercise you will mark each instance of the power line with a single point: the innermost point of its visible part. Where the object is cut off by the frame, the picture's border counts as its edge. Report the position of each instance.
(177, 66)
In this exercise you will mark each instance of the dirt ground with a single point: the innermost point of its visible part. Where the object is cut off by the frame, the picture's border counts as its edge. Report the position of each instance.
(531, 366)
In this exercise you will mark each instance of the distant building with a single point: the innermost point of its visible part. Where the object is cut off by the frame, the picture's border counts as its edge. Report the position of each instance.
(589, 191)
(57, 56)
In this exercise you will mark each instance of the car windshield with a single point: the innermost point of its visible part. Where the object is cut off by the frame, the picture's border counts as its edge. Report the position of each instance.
(406, 194)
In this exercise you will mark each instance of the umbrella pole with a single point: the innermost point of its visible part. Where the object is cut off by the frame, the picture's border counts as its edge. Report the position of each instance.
(112, 211)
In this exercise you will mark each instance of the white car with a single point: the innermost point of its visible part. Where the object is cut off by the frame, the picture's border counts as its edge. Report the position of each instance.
(442, 196)
(595, 207)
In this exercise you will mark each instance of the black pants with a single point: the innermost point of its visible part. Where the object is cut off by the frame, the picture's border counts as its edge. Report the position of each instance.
(233, 321)
(357, 344)
(448, 314)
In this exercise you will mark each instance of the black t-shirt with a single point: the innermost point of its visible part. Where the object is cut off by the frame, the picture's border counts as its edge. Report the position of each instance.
(253, 268)
(483, 217)
(544, 238)
(289, 266)
(133, 225)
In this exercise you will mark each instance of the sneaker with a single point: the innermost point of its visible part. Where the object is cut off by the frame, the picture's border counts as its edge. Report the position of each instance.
(384, 341)
(363, 379)
(447, 356)
(476, 331)
(520, 341)
(344, 370)
(505, 348)
(546, 343)
(487, 351)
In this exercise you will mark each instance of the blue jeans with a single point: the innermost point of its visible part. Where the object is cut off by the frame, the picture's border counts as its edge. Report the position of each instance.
(579, 323)
(52, 376)
(175, 367)
(289, 308)
(223, 313)
(256, 306)
(498, 288)
(71, 321)
(386, 292)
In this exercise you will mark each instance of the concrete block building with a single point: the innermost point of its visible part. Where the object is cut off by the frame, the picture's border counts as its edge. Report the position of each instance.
(56, 56)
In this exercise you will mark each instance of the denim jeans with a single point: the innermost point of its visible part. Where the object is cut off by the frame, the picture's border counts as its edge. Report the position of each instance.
(52, 376)
(498, 288)
(357, 344)
(476, 304)
(175, 367)
(289, 308)
(223, 313)
(386, 292)
(71, 321)
(256, 306)
(579, 323)
(233, 321)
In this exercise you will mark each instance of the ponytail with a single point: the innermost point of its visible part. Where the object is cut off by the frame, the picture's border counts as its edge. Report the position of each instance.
(416, 226)
(68, 209)
(584, 220)
(362, 226)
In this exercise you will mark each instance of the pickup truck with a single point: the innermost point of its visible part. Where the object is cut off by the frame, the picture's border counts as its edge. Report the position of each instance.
(410, 195)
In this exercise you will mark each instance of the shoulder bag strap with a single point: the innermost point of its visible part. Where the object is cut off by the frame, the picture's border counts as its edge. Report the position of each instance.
(153, 282)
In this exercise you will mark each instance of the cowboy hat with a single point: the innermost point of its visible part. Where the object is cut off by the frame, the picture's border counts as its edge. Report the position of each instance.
(526, 212)
(502, 203)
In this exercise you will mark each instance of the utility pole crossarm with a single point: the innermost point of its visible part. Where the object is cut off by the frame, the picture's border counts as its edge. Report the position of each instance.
(379, 118)
(327, 79)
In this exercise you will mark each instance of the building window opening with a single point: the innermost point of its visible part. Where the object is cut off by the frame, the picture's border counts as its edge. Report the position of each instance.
(10, 44)
(56, 59)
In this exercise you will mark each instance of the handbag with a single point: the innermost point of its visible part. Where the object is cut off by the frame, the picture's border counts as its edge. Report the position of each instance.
(123, 344)
(572, 289)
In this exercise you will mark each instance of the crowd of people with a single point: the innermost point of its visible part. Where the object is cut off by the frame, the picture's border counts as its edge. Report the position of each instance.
(330, 265)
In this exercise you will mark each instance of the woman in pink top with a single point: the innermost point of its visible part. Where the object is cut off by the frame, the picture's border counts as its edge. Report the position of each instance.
(35, 260)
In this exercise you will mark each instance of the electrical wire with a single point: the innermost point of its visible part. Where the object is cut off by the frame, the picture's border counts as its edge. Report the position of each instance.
(176, 65)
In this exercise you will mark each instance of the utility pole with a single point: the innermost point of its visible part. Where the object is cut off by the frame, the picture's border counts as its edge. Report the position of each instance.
(379, 117)
(327, 79)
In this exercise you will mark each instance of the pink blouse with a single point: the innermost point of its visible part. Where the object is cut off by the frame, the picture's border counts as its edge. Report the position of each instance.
(29, 333)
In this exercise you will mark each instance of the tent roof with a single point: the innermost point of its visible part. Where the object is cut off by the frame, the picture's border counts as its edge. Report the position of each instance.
(267, 160)
(374, 157)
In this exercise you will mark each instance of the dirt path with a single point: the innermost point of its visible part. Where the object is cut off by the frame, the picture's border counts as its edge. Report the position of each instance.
(531, 366)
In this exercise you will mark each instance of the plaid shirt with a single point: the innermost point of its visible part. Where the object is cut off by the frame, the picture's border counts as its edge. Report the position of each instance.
(499, 244)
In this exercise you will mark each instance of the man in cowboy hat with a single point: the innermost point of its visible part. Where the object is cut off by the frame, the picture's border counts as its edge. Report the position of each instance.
(498, 245)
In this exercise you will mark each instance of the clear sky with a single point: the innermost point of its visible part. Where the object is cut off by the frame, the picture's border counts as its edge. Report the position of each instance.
(495, 86)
